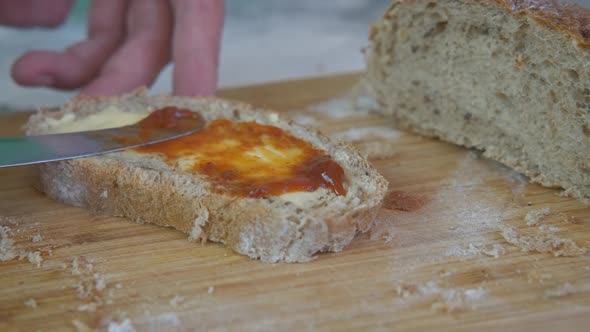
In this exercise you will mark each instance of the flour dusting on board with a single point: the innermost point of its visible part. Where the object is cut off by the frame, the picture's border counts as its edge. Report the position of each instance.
(462, 200)
(356, 103)
(358, 134)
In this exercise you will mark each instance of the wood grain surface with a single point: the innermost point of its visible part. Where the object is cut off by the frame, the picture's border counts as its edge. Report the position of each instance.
(438, 258)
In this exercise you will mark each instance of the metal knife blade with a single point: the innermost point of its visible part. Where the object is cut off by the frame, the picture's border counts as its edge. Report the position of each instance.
(25, 150)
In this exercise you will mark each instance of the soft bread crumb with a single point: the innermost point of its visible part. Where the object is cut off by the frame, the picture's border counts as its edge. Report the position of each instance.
(495, 250)
(81, 327)
(444, 299)
(33, 257)
(36, 238)
(197, 230)
(210, 290)
(176, 300)
(88, 307)
(533, 217)
(543, 243)
(31, 303)
(561, 291)
(124, 326)
(7, 251)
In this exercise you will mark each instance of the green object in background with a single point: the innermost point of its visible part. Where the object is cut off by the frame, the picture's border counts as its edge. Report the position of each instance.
(80, 11)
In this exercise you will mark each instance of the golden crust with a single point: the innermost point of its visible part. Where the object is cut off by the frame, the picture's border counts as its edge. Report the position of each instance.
(571, 19)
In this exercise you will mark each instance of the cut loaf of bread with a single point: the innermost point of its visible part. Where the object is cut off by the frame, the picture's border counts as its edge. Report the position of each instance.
(509, 77)
(144, 188)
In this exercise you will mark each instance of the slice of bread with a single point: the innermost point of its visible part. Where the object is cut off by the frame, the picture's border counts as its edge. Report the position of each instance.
(144, 188)
(511, 78)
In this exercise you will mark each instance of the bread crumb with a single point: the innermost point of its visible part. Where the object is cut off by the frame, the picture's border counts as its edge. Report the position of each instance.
(210, 290)
(7, 251)
(31, 303)
(81, 327)
(533, 217)
(75, 267)
(88, 307)
(99, 282)
(388, 237)
(197, 230)
(118, 285)
(446, 300)
(548, 228)
(33, 257)
(495, 250)
(543, 243)
(176, 300)
(36, 238)
(124, 326)
(561, 291)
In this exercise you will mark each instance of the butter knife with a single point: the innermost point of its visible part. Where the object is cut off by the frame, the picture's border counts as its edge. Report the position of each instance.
(26, 150)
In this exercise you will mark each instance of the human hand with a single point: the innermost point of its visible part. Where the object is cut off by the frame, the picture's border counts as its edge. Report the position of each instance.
(128, 44)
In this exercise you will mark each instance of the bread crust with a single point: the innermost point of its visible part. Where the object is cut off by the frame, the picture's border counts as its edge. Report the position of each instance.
(572, 19)
(145, 189)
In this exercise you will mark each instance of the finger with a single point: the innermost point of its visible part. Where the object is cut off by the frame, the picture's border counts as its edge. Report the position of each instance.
(81, 62)
(143, 54)
(196, 42)
(34, 13)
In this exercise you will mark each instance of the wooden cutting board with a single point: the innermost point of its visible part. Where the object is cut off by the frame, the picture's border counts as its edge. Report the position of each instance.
(438, 258)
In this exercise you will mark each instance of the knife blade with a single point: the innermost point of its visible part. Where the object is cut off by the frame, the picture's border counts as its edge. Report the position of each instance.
(26, 150)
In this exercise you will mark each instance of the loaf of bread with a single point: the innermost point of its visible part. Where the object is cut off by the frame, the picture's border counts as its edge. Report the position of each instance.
(145, 188)
(508, 77)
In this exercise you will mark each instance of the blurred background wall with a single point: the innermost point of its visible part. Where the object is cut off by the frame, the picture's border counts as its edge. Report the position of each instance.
(263, 40)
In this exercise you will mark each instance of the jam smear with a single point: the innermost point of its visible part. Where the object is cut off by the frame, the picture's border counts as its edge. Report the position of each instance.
(249, 159)
(171, 118)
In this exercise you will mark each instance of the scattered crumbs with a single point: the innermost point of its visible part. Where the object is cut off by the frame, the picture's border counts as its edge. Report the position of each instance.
(81, 327)
(536, 277)
(548, 228)
(445, 299)
(63, 266)
(7, 251)
(75, 267)
(561, 291)
(571, 219)
(124, 326)
(99, 280)
(176, 300)
(31, 303)
(36, 238)
(33, 257)
(359, 134)
(406, 290)
(88, 307)
(533, 217)
(210, 290)
(543, 243)
(495, 250)
(388, 237)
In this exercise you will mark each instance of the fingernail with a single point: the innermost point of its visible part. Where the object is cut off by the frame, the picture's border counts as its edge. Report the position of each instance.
(43, 80)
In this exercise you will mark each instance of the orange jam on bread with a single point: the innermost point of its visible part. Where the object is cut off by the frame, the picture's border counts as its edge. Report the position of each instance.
(250, 159)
